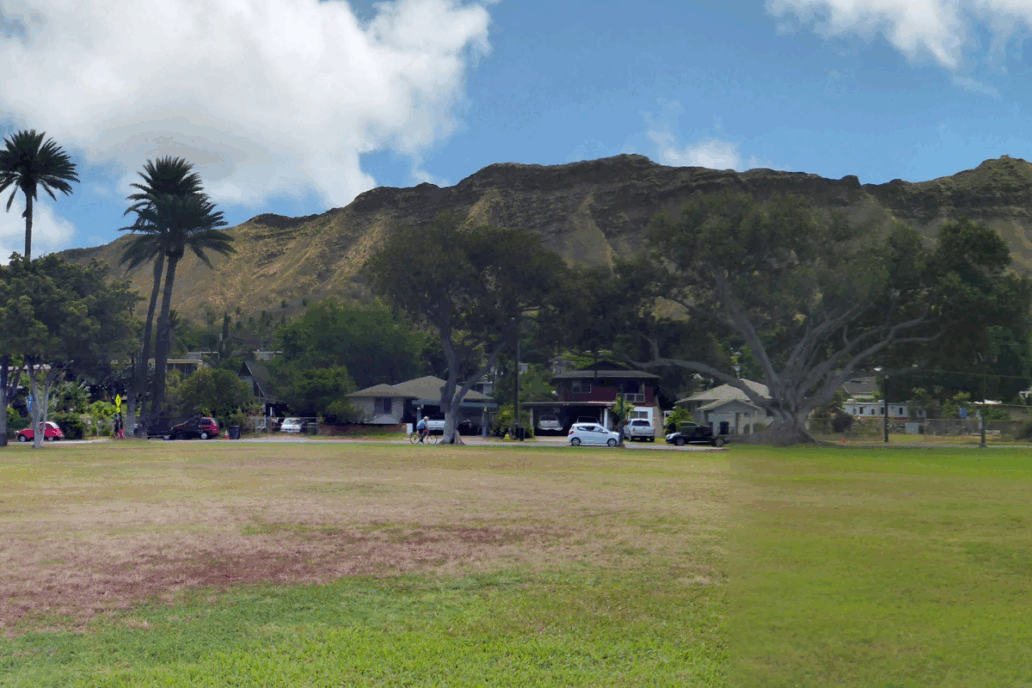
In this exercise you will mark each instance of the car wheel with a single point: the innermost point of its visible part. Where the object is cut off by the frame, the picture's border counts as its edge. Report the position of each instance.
(205, 435)
(611, 442)
(718, 442)
(679, 441)
(23, 438)
(575, 442)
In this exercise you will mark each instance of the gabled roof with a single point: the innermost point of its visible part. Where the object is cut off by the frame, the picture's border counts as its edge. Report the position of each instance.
(428, 387)
(714, 405)
(860, 386)
(726, 393)
(382, 390)
(261, 376)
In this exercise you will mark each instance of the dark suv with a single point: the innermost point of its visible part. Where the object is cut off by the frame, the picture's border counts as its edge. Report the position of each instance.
(693, 433)
(197, 427)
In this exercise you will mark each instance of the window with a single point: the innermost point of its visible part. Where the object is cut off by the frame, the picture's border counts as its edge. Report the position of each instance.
(901, 410)
(579, 387)
(384, 404)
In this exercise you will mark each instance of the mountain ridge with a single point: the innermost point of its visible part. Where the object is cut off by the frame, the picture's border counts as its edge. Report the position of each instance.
(587, 211)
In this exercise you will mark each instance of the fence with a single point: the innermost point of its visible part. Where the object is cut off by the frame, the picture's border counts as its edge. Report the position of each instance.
(287, 425)
(920, 430)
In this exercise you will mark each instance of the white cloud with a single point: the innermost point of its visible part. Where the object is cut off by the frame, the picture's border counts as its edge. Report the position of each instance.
(49, 232)
(711, 152)
(935, 28)
(974, 86)
(265, 97)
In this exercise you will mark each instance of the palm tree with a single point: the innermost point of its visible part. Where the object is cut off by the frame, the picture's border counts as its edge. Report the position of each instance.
(165, 175)
(28, 162)
(191, 222)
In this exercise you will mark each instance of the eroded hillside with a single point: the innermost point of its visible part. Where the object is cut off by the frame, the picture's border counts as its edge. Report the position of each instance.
(587, 211)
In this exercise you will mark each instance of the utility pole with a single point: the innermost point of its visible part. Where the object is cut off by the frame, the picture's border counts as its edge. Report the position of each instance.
(984, 412)
(516, 395)
(886, 409)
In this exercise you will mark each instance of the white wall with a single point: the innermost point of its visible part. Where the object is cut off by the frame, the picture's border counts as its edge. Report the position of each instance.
(371, 415)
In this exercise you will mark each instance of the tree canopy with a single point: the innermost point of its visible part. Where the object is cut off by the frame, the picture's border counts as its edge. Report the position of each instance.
(814, 300)
(62, 317)
(471, 284)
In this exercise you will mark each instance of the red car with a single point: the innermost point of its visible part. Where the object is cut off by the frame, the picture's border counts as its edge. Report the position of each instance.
(198, 426)
(52, 433)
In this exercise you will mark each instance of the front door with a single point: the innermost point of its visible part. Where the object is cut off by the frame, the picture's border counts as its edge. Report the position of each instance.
(724, 427)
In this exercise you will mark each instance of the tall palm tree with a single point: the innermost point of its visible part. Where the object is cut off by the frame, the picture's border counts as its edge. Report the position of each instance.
(28, 162)
(191, 222)
(166, 175)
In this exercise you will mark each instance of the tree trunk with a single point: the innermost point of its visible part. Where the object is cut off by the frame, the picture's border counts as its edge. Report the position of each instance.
(130, 411)
(28, 226)
(5, 361)
(162, 343)
(787, 429)
(143, 365)
(35, 416)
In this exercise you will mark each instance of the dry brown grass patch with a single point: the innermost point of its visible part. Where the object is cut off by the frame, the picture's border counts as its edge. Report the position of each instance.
(85, 531)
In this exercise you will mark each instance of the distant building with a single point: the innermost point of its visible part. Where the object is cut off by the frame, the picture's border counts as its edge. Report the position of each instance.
(728, 410)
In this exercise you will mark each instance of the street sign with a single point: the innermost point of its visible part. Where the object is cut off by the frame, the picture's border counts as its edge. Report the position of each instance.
(963, 412)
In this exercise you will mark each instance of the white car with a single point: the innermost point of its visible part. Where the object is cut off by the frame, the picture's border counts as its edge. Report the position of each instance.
(592, 433)
(291, 425)
(550, 423)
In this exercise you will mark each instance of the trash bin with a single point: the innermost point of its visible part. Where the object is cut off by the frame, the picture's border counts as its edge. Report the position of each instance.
(234, 432)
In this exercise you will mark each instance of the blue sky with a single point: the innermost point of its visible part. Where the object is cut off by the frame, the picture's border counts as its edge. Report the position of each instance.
(296, 106)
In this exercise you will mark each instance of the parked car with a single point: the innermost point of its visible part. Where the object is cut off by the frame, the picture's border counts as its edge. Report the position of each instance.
(693, 433)
(197, 427)
(51, 433)
(292, 425)
(640, 429)
(549, 423)
(592, 433)
(436, 424)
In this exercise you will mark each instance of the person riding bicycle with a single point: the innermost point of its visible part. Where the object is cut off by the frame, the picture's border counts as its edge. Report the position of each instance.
(423, 428)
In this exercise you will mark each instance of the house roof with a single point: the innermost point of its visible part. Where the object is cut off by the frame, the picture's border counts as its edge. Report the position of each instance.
(605, 369)
(714, 405)
(381, 391)
(428, 388)
(860, 386)
(726, 393)
(261, 376)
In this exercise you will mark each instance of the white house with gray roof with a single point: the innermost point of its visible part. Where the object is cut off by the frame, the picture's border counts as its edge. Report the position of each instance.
(728, 410)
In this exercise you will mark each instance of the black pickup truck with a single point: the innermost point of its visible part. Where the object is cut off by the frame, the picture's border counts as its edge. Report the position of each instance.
(693, 433)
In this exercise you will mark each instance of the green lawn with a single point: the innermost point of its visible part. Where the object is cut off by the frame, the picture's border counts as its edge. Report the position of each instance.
(875, 567)
(218, 564)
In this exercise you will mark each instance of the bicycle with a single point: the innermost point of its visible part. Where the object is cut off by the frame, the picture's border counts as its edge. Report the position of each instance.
(429, 439)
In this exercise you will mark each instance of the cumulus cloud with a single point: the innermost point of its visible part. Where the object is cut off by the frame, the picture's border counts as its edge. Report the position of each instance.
(49, 232)
(265, 97)
(711, 152)
(936, 28)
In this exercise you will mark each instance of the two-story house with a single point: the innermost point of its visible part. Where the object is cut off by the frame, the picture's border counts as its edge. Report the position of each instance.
(591, 392)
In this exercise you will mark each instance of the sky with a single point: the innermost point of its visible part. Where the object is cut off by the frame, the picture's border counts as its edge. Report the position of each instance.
(297, 106)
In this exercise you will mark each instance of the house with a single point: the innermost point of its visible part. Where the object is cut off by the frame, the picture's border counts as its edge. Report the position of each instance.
(593, 390)
(405, 402)
(257, 375)
(728, 410)
(876, 409)
(861, 387)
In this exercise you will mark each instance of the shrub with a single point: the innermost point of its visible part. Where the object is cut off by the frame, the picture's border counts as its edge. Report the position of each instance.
(1025, 432)
(503, 420)
(71, 425)
(841, 422)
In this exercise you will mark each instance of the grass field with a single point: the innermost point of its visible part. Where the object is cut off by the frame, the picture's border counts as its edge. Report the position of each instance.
(345, 564)
(881, 567)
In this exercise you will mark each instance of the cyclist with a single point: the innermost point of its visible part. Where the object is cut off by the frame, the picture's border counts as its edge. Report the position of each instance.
(423, 428)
